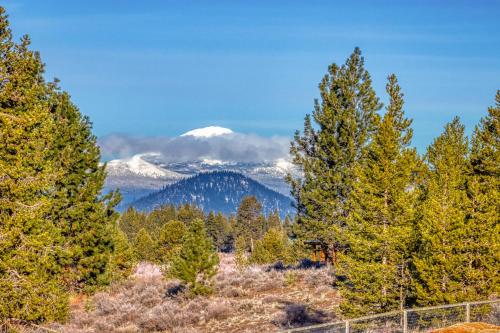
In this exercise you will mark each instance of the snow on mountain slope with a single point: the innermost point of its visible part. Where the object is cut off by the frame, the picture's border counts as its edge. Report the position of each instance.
(137, 165)
(145, 173)
(208, 132)
(220, 191)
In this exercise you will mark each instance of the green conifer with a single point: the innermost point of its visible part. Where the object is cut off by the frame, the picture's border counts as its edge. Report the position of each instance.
(170, 239)
(196, 263)
(273, 220)
(482, 240)
(240, 252)
(273, 247)
(30, 284)
(380, 229)
(131, 221)
(144, 247)
(123, 259)
(187, 213)
(327, 152)
(85, 217)
(250, 223)
(440, 261)
(217, 229)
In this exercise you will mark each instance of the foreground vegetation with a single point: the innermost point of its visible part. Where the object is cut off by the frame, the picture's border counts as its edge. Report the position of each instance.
(257, 298)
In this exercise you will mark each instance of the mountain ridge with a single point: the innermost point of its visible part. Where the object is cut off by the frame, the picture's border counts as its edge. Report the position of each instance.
(216, 191)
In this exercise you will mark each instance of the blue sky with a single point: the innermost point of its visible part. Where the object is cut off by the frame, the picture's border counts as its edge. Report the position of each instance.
(160, 68)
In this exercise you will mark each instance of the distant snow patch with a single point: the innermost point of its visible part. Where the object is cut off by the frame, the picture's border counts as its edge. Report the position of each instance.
(208, 132)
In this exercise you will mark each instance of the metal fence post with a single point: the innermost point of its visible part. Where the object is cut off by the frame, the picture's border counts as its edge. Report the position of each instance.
(405, 321)
(467, 313)
(347, 326)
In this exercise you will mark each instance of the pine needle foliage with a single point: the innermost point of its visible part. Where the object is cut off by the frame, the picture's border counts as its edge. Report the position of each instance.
(327, 151)
(273, 247)
(380, 228)
(483, 189)
(440, 260)
(30, 273)
(196, 263)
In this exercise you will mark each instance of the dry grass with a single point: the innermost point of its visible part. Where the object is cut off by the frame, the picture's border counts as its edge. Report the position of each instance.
(256, 299)
(469, 328)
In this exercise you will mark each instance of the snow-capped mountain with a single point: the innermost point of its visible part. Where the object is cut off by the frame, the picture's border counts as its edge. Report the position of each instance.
(147, 172)
(135, 177)
(138, 166)
(217, 191)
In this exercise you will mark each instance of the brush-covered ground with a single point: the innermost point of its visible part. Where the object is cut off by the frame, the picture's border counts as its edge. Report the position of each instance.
(253, 299)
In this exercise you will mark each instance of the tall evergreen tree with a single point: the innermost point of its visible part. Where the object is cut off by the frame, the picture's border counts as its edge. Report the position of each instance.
(441, 260)
(483, 227)
(328, 151)
(250, 223)
(187, 213)
(217, 229)
(380, 229)
(197, 261)
(157, 218)
(30, 284)
(86, 218)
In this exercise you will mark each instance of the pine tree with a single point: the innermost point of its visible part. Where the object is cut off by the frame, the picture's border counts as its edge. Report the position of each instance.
(273, 247)
(123, 259)
(250, 223)
(328, 152)
(131, 221)
(217, 229)
(197, 261)
(145, 247)
(187, 213)
(30, 284)
(380, 229)
(85, 217)
(441, 259)
(273, 220)
(157, 218)
(482, 227)
(170, 239)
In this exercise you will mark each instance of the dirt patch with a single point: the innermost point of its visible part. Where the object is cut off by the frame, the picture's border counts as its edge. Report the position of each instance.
(469, 328)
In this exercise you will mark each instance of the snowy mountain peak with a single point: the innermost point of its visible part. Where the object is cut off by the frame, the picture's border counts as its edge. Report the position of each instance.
(138, 166)
(208, 132)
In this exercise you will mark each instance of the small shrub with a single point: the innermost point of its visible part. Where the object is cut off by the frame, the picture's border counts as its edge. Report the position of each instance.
(290, 278)
(274, 246)
(218, 311)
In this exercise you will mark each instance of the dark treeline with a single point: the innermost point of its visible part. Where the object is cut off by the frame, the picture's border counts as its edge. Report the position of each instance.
(156, 236)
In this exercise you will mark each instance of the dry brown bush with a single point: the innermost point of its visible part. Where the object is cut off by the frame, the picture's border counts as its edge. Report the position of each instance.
(253, 299)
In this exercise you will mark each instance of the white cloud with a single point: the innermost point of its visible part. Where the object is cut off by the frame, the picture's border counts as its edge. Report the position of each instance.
(235, 147)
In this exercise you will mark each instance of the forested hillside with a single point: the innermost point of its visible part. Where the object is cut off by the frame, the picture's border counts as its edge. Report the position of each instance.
(220, 191)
